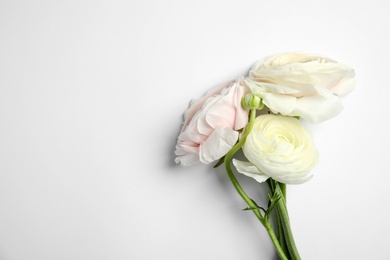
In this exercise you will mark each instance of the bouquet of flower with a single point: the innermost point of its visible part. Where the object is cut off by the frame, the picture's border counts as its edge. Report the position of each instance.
(261, 114)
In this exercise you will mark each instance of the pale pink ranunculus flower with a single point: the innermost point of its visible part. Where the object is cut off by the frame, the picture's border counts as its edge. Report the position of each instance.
(304, 85)
(210, 124)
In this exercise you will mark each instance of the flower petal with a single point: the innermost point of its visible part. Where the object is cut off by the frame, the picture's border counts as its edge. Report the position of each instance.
(316, 109)
(272, 87)
(241, 113)
(221, 114)
(195, 105)
(250, 170)
(283, 104)
(344, 86)
(217, 145)
(187, 160)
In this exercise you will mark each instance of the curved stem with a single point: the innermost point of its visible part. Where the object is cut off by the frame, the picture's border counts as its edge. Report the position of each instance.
(233, 179)
(244, 196)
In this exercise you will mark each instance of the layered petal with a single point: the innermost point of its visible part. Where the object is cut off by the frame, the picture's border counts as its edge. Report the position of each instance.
(250, 170)
(280, 148)
(281, 78)
(210, 124)
(283, 104)
(316, 109)
(218, 144)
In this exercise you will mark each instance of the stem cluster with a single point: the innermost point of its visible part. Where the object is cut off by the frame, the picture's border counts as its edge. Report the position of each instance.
(282, 239)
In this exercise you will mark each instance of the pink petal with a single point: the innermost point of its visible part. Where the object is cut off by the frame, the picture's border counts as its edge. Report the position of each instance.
(241, 113)
(195, 105)
(217, 145)
(187, 160)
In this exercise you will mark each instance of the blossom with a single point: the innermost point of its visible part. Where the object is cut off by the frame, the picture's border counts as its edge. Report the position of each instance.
(302, 85)
(210, 124)
(278, 147)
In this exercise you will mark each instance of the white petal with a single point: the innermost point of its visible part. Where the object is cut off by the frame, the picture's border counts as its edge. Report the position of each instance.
(277, 88)
(344, 86)
(217, 145)
(254, 88)
(283, 104)
(316, 109)
(250, 170)
(322, 91)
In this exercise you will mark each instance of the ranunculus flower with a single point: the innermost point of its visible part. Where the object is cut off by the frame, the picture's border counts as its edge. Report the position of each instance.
(301, 85)
(278, 147)
(210, 124)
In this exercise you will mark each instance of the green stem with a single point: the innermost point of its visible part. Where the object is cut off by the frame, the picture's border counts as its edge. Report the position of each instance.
(280, 234)
(228, 159)
(279, 227)
(283, 188)
(285, 221)
(244, 196)
(275, 242)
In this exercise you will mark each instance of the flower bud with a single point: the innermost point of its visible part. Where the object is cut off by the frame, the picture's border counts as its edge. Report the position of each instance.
(252, 101)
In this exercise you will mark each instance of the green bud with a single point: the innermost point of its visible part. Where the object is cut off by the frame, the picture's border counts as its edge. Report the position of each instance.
(252, 101)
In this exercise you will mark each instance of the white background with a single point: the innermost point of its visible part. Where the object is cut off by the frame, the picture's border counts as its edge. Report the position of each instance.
(92, 95)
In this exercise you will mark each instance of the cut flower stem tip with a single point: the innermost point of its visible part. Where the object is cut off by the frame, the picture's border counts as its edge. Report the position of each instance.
(283, 240)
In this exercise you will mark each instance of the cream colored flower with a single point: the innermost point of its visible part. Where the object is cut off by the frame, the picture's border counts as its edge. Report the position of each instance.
(301, 85)
(280, 148)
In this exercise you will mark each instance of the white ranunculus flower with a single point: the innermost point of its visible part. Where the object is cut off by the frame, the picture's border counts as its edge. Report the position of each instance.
(301, 85)
(278, 147)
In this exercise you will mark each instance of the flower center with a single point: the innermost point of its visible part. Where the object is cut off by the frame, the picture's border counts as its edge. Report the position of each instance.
(283, 138)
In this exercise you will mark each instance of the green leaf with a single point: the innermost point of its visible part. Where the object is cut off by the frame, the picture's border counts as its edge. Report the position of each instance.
(253, 208)
(273, 200)
(219, 162)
